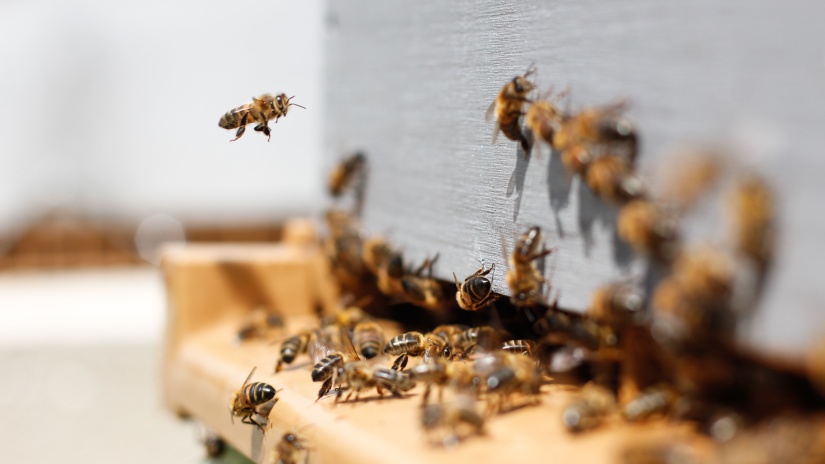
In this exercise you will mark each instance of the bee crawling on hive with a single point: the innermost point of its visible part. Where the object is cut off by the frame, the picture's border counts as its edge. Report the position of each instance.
(261, 110)
(476, 292)
(523, 276)
(246, 401)
(508, 108)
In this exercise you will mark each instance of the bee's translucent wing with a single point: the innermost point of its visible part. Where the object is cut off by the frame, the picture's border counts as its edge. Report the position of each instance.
(488, 116)
(350, 353)
(321, 344)
(249, 376)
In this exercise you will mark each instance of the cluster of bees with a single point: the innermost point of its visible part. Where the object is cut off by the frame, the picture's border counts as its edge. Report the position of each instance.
(667, 350)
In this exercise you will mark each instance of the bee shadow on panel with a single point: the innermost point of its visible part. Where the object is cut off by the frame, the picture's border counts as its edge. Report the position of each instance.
(517, 178)
(593, 210)
(559, 184)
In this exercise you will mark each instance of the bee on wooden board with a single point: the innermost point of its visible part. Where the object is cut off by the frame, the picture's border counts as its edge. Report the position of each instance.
(292, 347)
(349, 170)
(357, 376)
(249, 397)
(261, 110)
(257, 324)
(290, 448)
(455, 420)
(523, 276)
(466, 341)
(509, 374)
(508, 107)
(368, 338)
(417, 344)
(594, 132)
(589, 408)
(476, 292)
(442, 372)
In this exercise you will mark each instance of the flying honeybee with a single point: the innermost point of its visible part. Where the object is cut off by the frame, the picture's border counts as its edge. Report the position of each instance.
(476, 292)
(595, 132)
(261, 110)
(245, 402)
(523, 276)
(752, 213)
(616, 304)
(348, 171)
(368, 338)
(508, 108)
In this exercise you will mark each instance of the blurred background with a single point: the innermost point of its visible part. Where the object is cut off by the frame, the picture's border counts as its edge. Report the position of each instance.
(109, 145)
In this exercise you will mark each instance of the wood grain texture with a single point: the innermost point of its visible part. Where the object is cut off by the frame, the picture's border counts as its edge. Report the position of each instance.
(409, 84)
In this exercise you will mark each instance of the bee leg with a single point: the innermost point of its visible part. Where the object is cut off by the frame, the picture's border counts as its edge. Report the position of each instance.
(242, 128)
(400, 362)
(325, 388)
(263, 127)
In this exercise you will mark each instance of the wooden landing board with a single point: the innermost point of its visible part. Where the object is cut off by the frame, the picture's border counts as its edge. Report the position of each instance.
(203, 368)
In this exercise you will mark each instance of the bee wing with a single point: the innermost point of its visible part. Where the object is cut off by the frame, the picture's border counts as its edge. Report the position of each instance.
(488, 116)
(320, 345)
(496, 131)
(504, 247)
(350, 353)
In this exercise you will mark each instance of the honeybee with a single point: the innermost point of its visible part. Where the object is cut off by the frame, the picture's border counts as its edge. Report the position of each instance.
(594, 132)
(346, 318)
(347, 171)
(292, 347)
(616, 304)
(423, 290)
(458, 419)
(751, 206)
(485, 336)
(344, 245)
(245, 402)
(649, 228)
(441, 372)
(359, 375)
(506, 374)
(589, 409)
(611, 178)
(261, 110)
(508, 109)
(368, 338)
(290, 448)
(416, 344)
(652, 401)
(386, 264)
(257, 324)
(543, 119)
(476, 292)
(523, 277)
(524, 347)
(214, 445)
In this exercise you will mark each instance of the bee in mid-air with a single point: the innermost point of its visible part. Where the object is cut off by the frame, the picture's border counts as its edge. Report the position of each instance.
(476, 292)
(594, 132)
(524, 277)
(245, 402)
(611, 178)
(508, 108)
(261, 110)
(292, 347)
(349, 170)
(368, 338)
(616, 304)
(290, 448)
(752, 211)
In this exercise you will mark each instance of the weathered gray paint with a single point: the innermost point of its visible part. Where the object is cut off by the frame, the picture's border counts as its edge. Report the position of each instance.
(409, 82)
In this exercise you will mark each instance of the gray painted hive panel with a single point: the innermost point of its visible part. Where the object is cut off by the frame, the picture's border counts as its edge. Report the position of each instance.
(409, 83)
